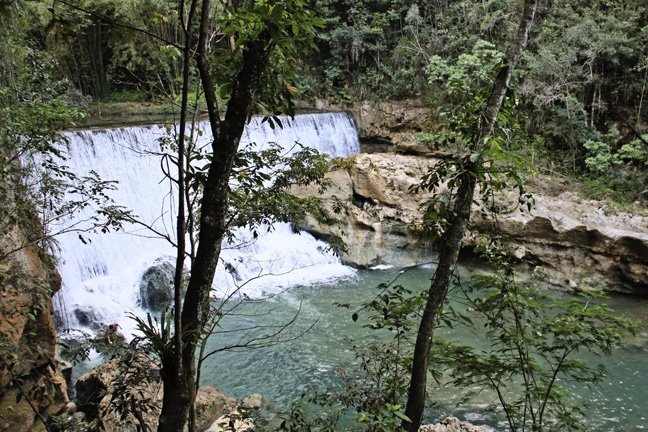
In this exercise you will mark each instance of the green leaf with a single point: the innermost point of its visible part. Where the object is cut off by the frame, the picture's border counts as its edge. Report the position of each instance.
(402, 416)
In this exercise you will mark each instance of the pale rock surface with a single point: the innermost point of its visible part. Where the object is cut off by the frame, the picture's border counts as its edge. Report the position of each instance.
(370, 208)
(231, 422)
(453, 424)
(235, 420)
(568, 241)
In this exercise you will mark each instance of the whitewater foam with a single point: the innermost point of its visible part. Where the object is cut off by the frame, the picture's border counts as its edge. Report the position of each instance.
(101, 277)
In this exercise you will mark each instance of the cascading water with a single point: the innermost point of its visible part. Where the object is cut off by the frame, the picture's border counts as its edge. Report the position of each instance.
(101, 277)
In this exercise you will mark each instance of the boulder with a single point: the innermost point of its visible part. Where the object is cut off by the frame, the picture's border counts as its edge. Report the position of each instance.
(238, 417)
(231, 422)
(254, 401)
(92, 387)
(156, 285)
(89, 318)
(211, 404)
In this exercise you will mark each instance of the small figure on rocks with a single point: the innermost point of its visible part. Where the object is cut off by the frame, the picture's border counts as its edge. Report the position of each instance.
(113, 334)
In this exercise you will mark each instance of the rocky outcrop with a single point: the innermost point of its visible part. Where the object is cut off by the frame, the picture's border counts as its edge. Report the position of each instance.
(568, 241)
(453, 424)
(369, 207)
(126, 392)
(237, 420)
(381, 118)
(386, 124)
(31, 384)
(576, 243)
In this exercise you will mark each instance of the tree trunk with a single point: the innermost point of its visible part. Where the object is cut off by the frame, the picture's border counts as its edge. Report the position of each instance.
(450, 244)
(175, 402)
(172, 370)
(180, 390)
(451, 239)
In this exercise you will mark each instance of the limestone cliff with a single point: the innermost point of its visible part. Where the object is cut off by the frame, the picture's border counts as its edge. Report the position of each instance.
(31, 384)
(391, 121)
(370, 208)
(568, 241)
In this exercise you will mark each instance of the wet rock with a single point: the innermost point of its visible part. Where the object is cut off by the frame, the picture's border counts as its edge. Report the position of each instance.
(156, 285)
(88, 318)
(232, 270)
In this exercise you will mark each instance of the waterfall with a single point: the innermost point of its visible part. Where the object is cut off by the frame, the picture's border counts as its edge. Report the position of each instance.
(101, 276)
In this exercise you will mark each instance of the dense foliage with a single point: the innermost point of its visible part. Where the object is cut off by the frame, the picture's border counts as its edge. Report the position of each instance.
(536, 346)
(38, 191)
(584, 73)
(582, 76)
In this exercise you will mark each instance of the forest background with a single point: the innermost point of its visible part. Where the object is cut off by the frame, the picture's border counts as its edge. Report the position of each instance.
(581, 85)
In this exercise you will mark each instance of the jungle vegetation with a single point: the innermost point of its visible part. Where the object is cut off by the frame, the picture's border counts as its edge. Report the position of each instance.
(580, 86)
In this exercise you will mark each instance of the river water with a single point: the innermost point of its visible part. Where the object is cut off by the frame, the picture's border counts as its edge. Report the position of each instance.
(300, 279)
(284, 371)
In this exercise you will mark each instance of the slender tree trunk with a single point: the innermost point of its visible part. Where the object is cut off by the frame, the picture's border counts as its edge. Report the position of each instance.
(180, 390)
(172, 370)
(451, 239)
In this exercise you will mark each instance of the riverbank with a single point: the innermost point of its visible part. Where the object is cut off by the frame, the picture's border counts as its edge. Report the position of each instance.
(112, 114)
(568, 241)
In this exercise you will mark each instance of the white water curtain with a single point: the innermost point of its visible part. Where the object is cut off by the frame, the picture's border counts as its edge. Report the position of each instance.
(101, 278)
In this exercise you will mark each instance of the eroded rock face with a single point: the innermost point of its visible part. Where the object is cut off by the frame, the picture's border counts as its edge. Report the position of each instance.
(570, 242)
(27, 337)
(577, 243)
(370, 208)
